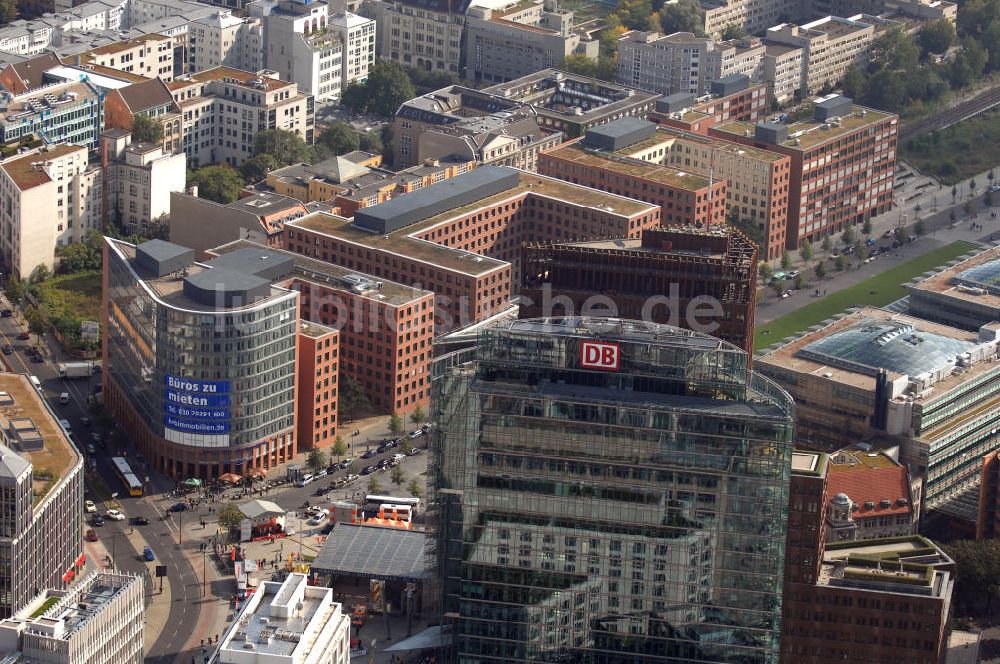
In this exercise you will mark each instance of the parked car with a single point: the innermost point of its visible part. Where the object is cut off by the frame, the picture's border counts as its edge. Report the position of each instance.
(147, 555)
(384, 463)
(413, 451)
(178, 507)
(85, 421)
(792, 274)
(315, 521)
(24, 336)
(97, 520)
(351, 478)
(392, 443)
(91, 449)
(384, 447)
(115, 515)
(346, 463)
(416, 434)
(37, 358)
(140, 521)
(89, 507)
(95, 436)
(6, 313)
(398, 457)
(369, 454)
(8, 349)
(368, 470)
(91, 535)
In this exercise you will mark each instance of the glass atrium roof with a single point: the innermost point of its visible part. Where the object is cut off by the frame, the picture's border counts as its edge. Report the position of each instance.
(985, 276)
(875, 343)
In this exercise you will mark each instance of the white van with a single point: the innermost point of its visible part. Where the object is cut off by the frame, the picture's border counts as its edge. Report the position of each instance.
(305, 479)
(37, 383)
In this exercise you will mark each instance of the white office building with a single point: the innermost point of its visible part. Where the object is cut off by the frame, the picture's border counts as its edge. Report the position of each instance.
(224, 40)
(358, 36)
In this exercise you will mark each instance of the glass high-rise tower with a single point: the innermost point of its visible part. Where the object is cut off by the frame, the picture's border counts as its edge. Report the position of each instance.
(610, 492)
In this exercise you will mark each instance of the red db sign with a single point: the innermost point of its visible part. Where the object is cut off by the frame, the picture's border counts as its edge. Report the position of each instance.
(594, 355)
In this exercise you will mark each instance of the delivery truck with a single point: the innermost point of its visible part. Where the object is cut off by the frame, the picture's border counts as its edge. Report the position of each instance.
(76, 369)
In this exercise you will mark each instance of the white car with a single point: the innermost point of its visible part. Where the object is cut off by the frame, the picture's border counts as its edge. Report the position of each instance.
(115, 515)
(398, 457)
(89, 507)
(416, 434)
(316, 520)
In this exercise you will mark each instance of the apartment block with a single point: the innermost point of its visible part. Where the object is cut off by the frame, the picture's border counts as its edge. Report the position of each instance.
(922, 10)
(223, 109)
(514, 39)
(695, 179)
(884, 600)
(54, 197)
(225, 40)
(461, 238)
(754, 16)
(654, 278)
(783, 67)
(933, 389)
(842, 170)
(571, 103)
(100, 618)
(610, 158)
(202, 224)
(358, 36)
(682, 62)
(138, 180)
(302, 47)
(731, 99)
(420, 34)
(41, 494)
(830, 46)
(290, 622)
(471, 125)
(349, 186)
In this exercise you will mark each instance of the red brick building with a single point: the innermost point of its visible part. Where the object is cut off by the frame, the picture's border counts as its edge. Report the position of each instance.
(843, 165)
(657, 277)
(461, 238)
(316, 419)
(739, 103)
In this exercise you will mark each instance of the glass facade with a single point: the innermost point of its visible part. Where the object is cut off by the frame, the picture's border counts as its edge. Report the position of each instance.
(201, 378)
(627, 514)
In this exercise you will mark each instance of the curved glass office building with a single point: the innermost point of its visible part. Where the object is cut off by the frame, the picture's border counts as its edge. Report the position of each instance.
(610, 492)
(200, 357)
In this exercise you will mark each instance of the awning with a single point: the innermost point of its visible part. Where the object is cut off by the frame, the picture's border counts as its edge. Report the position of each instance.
(68, 576)
(192, 481)
(435, 636)
(229, 478)
(81, 560)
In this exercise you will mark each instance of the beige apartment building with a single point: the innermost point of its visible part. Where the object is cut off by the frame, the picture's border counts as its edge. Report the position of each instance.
(52, 197)
(138, 180)
(150, 56)
(830, 46)
(224, 40)
(783, 70)
(224, 108)
(682, 62)
(754, 16)
(514, 39)
(422, 35)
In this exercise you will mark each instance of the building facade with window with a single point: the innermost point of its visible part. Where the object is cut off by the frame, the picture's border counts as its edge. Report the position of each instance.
(593, 503)
(422, 35)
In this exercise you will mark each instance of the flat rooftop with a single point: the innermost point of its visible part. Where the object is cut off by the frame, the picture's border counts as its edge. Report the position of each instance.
(910, 565)
(404, 243)
(806, 463)
(810, 131)
(57, 455)
(975, 280)
(538, 89)
(619, 162)
(858, 342)
(82, 603)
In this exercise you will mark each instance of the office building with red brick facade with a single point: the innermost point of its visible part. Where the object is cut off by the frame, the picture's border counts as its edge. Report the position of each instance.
(733, 99)
(461, 238)
(843, 165)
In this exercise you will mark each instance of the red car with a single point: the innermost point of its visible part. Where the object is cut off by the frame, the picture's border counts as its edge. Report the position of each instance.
(91, 535)
(24, 336)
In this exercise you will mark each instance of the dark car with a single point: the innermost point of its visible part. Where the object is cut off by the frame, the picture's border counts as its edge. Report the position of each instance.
(384, 463)
(97, 520)
(178, 507)
(368, 470)
(369, 454)
(37, 358)
(320, 490)
(392, 443)
(382, 448)
(140, 521)
(8, 349)
(24, 336)
(6, 313)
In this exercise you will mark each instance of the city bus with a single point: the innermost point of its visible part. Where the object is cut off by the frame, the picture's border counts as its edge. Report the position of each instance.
(127, 477)
(412, 503)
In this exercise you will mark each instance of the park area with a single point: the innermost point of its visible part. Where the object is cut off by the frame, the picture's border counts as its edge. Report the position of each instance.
(878, 291)
(68, 299)
(958, 152)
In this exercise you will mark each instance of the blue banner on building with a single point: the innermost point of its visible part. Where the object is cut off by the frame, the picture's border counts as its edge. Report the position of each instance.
(191, 426)
(196, 406)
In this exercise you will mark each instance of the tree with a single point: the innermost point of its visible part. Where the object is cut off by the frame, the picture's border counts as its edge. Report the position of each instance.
(886, 89)
(854, 83)
(847, 237)
(371, 141)
(919, 228)
(353, 399)
(806, 251)
(800, 281)
(954, 193)
(820, 271)
(146, 129)
(354, 97)
(406, 445)
(827, 244)
(936, 36)
(36, 322)
(978, 572)
(287, 147)
(840, 263)
(417, 415)
(765, 271)
(972, 186)
(8, 11)
(733, 31)
(78, 257)
(396, 424)
(220, 183)
(40, 273)
(634, 14)
(603, 68)
(398, 476)
(902, 235)
(861, 251)
(257, 167)
(14, 290)
(340, 138)
(682, 16)
(339, 448)
(895, 49)
(230, 516)
(786, 260)
(316, 459)
(386, 88)
(779, 287)
(414, 488)
(867, 228)
(373, 486)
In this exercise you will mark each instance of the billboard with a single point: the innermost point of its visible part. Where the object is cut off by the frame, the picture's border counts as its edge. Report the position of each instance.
(601, 356)
(196, 406)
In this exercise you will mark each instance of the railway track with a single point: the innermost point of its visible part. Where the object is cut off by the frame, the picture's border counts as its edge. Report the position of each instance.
(964, 111)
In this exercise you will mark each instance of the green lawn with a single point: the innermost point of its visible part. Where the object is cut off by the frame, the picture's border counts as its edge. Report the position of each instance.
(77, 294)
(957, 152)
(878, 291)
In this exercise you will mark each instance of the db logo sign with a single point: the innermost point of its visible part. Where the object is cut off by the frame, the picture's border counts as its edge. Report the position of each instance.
(594, 355)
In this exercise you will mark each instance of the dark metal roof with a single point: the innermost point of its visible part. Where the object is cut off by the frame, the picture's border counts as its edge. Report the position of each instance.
(619, 134)
(160, 258)
(222, 287)
(375, 553)
(261, 263)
